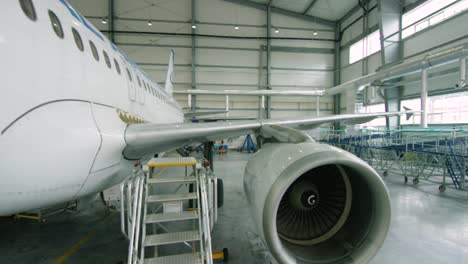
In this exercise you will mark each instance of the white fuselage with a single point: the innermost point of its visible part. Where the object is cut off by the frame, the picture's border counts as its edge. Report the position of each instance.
(63, 114)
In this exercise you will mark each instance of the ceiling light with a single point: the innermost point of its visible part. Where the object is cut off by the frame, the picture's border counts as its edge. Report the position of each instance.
(236, 27)
(315, 33)
(149, 23)
(194, 26)
(276, 30)
(104, 21)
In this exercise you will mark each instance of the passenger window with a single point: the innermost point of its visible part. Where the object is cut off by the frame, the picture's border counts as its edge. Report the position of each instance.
(28, 9)
(117, 66)
(129, 75)
(94, 50)
(78, 40)
(106, 58)
(56, 26)
(139, 82)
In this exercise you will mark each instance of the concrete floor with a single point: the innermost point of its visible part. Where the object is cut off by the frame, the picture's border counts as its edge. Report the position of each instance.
(427, 227)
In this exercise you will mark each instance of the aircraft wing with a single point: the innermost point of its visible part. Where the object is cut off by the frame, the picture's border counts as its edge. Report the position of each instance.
(144, 139)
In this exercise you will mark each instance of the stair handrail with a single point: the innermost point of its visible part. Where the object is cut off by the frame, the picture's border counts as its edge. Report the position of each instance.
(206, 234)
(459, 166)
(126, 202)
(136, 219)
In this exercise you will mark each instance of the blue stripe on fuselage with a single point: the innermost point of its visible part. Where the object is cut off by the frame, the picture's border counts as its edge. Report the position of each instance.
(81, 19)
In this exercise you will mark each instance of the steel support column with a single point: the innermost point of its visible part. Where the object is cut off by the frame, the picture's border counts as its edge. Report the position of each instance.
(260, 75)
(337, 74)
(390, 40)
(268, 73)
(424, 95)
(194, 56)
(111, 12)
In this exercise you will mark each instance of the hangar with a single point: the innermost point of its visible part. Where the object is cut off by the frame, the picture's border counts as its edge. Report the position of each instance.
(237, 131)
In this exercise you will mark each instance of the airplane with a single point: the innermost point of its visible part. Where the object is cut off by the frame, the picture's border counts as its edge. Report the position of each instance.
(77, 113)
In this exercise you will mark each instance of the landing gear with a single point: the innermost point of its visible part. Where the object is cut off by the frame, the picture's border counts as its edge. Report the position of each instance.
(415, 181)
(442, 188)
(406, 179)
(385, 173)
(208, 154)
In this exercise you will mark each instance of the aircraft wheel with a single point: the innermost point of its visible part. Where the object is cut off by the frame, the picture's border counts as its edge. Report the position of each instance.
(442, 188)
(385, 173)
(406, 179)
(415, 181)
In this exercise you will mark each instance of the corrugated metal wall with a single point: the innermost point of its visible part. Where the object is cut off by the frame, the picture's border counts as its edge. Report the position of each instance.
(226, 63)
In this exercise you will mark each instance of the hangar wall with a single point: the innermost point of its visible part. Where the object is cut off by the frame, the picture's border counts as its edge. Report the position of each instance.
(225, 63)
(446, 34)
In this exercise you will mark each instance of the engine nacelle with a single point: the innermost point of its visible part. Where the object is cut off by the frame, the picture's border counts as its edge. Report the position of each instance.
(314, 203)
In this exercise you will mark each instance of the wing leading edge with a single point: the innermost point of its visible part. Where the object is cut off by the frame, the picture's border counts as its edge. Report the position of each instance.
(144, 139)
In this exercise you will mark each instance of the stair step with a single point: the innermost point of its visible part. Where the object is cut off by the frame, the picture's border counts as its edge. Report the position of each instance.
(190, 258)
(172, 180)
(166, 217)
(171, 197)
(172, 161)
(171, 238)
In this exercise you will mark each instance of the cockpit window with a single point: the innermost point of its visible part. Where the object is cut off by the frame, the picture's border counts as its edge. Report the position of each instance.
(94, 50)
(28, 9)
(56, 25)
(78, 40)
(106, 58)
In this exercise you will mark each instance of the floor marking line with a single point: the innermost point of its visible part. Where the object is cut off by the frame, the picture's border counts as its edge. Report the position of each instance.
(74, 248)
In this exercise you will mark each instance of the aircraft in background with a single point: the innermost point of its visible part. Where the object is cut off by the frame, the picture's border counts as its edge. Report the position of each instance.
(77, 113)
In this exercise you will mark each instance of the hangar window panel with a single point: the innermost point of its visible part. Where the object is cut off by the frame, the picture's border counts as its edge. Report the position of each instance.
(78, 40)
(430, 13)
(442, 109)
(365, 47)
(56, 25)
(117, 66)
(28, 9)
(106, 58)
(94, 50)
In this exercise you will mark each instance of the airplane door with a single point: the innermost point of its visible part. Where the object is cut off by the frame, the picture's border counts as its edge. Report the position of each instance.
(130, 82)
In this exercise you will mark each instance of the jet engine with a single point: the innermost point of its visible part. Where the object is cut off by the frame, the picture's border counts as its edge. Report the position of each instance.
(314, 203)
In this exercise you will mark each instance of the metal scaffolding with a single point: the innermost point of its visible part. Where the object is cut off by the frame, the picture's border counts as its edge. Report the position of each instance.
(436, 156)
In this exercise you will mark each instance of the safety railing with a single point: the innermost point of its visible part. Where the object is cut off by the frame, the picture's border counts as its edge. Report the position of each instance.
(431, 155)
(131, 191)
(205, 218)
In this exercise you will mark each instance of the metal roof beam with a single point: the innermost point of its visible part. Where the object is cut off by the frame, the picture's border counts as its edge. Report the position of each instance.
(312, 3)
(285, 12)
(351, 12)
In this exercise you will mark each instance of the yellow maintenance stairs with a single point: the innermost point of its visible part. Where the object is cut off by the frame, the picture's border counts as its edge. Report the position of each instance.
(159, 213)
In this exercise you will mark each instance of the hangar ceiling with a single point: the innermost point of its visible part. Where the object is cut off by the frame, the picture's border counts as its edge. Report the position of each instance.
(213, 53)
(327, 9)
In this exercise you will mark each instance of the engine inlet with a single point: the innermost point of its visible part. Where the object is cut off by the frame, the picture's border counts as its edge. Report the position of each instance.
(315, 206)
